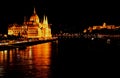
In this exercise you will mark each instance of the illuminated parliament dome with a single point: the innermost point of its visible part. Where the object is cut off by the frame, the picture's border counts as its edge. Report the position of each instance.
(34, 17)
(32, 28)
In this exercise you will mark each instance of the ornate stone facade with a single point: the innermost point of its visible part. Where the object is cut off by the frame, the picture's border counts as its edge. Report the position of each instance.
(32, 28)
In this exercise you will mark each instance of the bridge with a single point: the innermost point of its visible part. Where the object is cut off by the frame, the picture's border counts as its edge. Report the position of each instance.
(75, 35)
(89, 35)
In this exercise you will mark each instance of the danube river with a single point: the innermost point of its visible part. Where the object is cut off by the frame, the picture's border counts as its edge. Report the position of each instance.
(62, 59)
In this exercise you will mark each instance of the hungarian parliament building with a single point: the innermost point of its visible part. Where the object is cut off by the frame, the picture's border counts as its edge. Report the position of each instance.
(32, 28)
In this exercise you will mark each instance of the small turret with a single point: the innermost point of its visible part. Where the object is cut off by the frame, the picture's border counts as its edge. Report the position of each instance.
(104, 24)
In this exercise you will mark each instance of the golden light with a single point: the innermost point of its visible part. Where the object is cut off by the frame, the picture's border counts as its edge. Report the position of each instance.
(35, 28)
(84, 31)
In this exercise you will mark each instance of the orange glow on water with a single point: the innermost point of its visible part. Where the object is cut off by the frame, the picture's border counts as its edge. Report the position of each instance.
(3, 56)
(34, 60)
(43, 53)
(41, 56)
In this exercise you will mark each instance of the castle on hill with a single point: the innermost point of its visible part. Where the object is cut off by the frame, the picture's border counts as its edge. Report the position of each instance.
(100, 27)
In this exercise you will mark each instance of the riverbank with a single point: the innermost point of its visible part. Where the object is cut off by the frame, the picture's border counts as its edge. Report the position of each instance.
(19, 44)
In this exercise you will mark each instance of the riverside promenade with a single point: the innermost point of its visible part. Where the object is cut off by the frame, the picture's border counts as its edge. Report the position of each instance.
(13, 44)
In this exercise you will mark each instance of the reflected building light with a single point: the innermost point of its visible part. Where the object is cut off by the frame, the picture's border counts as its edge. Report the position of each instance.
(42, 52)
(92, 38)
(17, 50)
(38, 57)
(56, 41)
(1, 57)
(11, 55)
(108, 41)
(5, 55)
(30, 52)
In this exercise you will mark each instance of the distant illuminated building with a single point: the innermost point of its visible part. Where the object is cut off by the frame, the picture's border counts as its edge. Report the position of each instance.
(99, 27)
(32, 28)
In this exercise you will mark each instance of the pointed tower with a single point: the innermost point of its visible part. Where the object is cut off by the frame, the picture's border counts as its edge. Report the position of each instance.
(34, 12)
(34, 17)
(47, 30)
(45, 20)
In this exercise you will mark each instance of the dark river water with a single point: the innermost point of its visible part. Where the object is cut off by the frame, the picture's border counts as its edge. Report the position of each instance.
(76, 58)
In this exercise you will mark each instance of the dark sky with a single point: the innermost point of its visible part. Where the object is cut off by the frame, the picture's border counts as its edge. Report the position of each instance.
(63, 14)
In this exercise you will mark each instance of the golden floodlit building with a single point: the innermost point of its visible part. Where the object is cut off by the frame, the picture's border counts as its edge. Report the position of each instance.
(99, 27)
(32, 28)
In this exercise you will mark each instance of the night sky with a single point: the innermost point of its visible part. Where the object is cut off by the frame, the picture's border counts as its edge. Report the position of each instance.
(71, 15)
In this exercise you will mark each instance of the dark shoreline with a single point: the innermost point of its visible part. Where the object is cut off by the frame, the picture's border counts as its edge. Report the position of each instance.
(20, 45)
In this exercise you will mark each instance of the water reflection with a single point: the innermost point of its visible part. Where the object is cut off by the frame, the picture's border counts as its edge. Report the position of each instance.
(31, 62)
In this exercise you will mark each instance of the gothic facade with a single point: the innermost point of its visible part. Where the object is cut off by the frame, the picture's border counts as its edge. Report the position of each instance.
(32, 28)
